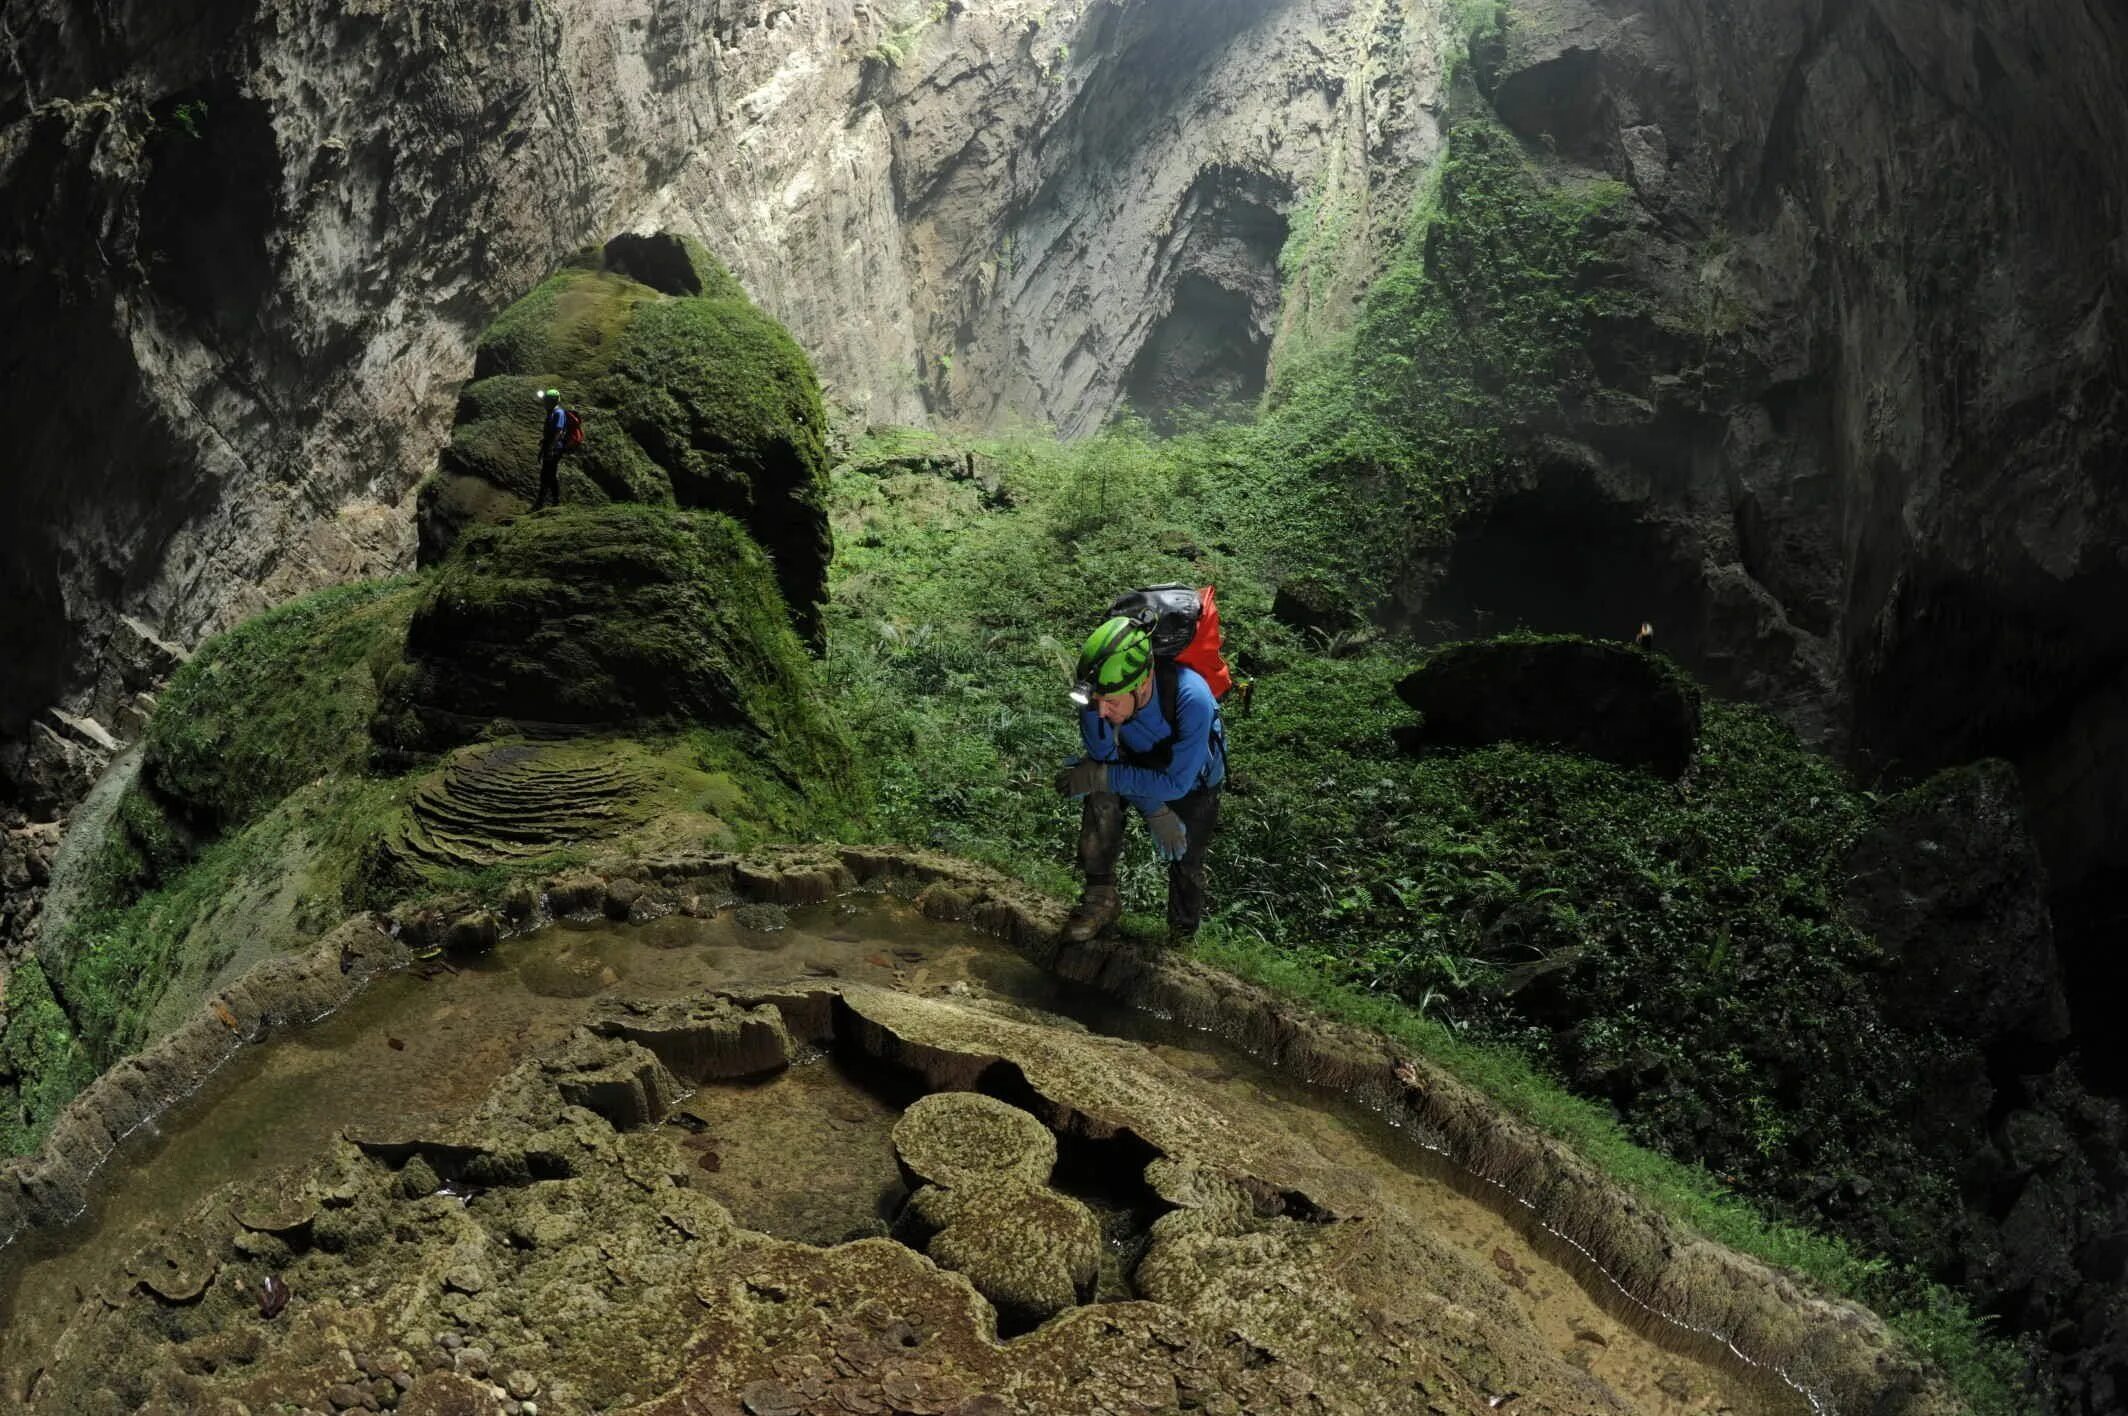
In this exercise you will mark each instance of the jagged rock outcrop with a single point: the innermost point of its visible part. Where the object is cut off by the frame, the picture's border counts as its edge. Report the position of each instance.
(257, 249)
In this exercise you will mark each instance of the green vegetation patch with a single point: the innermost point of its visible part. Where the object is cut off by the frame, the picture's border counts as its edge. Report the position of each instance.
(42, 1063)
(1551, 923)
(281, 700)
(1371, 448)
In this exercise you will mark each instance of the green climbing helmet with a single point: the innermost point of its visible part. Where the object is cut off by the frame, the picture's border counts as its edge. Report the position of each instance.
(1116, 659)
(550, 395)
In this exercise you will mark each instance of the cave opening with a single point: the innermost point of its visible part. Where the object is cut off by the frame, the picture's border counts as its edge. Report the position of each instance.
(208, 205)
(1565, 559)
(1205, 356)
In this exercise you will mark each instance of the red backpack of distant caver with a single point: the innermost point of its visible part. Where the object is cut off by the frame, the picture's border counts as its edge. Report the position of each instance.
(1184, 624)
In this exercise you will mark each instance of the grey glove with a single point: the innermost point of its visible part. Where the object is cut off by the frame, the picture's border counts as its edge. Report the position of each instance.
(1171, 839)
(1081, 778)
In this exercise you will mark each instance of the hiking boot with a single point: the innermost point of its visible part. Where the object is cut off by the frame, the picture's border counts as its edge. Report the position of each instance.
(1097, 909)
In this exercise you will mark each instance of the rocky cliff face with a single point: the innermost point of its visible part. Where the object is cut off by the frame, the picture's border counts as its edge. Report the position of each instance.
(1854, 444)
(1855, 447)
(256, 247)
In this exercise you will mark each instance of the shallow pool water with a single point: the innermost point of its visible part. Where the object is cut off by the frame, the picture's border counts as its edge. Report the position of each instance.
(805, 1154)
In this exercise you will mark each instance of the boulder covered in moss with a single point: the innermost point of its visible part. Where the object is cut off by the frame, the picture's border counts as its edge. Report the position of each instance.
(1030, 1250)
(1612, 701)
(955, 1139)
(609, 618)
(280, 700)
(691, 396)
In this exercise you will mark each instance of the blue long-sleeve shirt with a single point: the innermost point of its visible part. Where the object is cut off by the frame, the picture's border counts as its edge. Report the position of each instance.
(1190, 765)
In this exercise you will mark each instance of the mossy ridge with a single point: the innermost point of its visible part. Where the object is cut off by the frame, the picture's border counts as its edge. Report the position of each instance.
(278, 701)
(42, 1062)
(588, 619)
(692, 396)
(563, 331)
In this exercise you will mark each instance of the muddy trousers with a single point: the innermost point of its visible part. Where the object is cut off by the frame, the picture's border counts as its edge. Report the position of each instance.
(1101, 842)
(550, 482)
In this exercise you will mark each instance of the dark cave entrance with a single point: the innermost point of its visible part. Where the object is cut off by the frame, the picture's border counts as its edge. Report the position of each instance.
(1205, 355)
(214, 175)
(1565, 559)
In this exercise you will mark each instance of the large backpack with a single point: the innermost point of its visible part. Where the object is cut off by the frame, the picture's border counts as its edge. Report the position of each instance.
(572, 430)
(1184, 624)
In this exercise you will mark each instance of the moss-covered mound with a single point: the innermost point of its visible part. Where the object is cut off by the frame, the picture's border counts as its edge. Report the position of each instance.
(692, 397)
(277, 702)
(602, 618)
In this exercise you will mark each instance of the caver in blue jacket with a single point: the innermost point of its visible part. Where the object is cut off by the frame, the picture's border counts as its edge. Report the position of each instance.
(1168, 759)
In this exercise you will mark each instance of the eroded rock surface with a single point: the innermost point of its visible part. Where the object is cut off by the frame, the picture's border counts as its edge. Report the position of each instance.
(549, 1247)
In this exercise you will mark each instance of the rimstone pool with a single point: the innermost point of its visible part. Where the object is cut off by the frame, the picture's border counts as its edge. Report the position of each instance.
(506, 1155)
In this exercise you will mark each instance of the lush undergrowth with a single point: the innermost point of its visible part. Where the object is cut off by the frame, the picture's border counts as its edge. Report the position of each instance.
(1631, 963)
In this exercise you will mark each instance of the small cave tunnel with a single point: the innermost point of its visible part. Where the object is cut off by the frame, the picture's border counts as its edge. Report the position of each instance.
(214, 175)
(1203, 356)
(1567, 560)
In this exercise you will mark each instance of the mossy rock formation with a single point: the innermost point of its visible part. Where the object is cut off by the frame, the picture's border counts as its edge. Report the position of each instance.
(1611, 701)
(1028, 1249)
(692, 398)
(609, 618)
(965, 1138)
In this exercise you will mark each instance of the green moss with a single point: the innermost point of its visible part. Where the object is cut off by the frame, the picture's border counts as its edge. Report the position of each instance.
(42, 1064)
(600, 617)
(898, 45)
(281, 700)
(720, 397)
(1372, 447)
(496, 440)
(563, 333)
